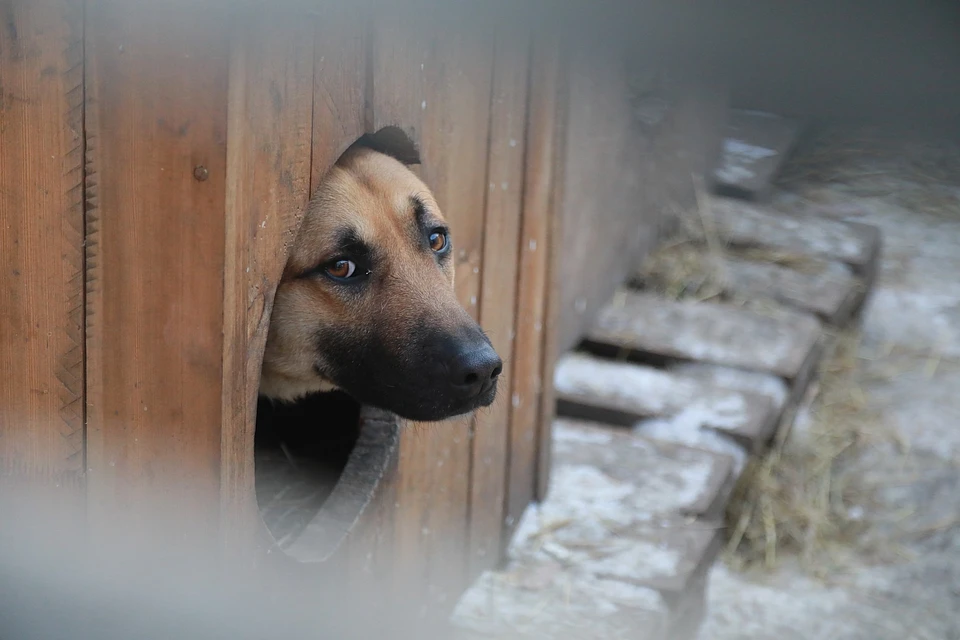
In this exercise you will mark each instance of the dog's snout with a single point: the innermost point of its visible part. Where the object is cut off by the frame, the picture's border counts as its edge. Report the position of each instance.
(474, 369)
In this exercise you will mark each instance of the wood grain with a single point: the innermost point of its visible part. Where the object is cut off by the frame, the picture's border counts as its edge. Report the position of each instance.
(555, 71)
(341, 44)
(156, 90)
(534, 261)
(41, 240)
(501, 237)
(267, 189)
(399, 53)
(609, 217)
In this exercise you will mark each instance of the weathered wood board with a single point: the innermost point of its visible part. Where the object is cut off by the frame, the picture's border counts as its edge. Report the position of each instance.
(831, 291)
(625, 393)
(156, 126)
(677, 479)
(611, 529)
(534, 333)
(499, 605)
(604, 475)
(437, 88)
(755, 146)
(748, 225)
(42, 332)
(155, 164)
(779, 342)
(611, 218)
(767, 385)
(491, 444)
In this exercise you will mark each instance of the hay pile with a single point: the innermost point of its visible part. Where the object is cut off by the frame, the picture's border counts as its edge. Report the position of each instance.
(686, 268)
(691, 264)
(797, 500)
(682, 270)
(808, 497)
(805, 498)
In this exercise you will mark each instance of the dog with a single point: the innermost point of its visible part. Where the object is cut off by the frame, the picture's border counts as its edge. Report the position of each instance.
(366, 303)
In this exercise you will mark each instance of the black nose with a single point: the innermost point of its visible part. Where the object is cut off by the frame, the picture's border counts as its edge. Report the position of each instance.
(475, 369)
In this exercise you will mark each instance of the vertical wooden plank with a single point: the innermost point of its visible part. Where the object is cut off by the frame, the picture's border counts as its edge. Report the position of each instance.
(41, 240)
(557, 70)
(435, 85)
(534, 252)
(156, 122)
(399, 52)
(508, 119)
(602, 226)
(340, 81)
(41, 274)
(267, 189)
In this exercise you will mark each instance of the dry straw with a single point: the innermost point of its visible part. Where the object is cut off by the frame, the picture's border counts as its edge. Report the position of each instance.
(803, 498)
(797, 499)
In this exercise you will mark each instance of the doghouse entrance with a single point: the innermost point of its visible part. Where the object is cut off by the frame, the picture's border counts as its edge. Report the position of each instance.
(301, 450)
(318, 465)
(318, 461)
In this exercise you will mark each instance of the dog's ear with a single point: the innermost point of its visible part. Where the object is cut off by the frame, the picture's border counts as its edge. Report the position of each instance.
(392, 141)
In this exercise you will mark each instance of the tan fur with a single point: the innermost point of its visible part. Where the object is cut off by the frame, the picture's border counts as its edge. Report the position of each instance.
(369, 192)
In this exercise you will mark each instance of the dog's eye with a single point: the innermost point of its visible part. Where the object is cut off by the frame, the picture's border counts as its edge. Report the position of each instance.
(438, 241)
(341, 269)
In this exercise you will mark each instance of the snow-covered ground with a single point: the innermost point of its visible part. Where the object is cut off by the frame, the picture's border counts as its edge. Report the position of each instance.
(900, 578)
(911, 374)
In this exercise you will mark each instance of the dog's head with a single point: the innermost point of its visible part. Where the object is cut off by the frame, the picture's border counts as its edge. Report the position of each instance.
(366, 303)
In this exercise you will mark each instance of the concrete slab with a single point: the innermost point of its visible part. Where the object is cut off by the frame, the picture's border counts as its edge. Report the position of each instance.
(778, 342)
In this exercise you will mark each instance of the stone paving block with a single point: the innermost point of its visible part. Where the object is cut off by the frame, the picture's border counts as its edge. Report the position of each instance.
(624, 393)
(779, 342)
(755, 146)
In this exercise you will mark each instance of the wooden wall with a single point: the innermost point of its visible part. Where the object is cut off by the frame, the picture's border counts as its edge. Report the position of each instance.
(637, 139)
(42, 316)
(155, 160)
